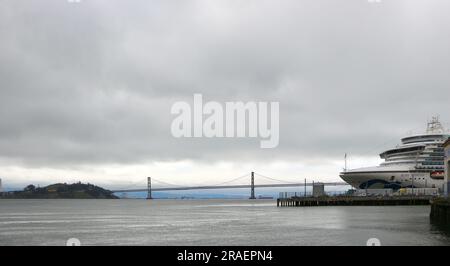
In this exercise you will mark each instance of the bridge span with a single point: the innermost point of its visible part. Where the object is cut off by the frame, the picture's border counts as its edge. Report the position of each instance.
(228, 187)
(252, 186)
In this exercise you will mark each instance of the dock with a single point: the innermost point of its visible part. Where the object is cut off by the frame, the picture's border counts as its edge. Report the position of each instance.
(353, 201)
(440, 210)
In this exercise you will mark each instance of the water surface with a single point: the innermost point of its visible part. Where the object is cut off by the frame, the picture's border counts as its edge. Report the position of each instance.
(210, 222)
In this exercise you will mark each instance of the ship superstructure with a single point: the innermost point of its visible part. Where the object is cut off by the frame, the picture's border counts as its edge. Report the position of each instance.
(417, 162)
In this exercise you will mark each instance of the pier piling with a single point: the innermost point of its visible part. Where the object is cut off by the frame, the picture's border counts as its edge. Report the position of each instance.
(353, 201)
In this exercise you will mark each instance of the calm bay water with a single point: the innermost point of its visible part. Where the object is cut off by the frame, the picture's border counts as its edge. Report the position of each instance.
(210, 222)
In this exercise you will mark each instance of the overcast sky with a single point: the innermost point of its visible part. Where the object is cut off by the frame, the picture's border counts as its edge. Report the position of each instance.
(86, 88)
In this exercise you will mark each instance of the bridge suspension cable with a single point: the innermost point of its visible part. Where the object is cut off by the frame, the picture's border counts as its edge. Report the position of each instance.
(217, 184)
(166, 183)
(135, 183)
(275, 179)
(231, 180)
(142, 181)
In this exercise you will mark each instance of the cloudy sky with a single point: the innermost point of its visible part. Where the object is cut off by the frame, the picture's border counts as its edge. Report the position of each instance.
(86, 88)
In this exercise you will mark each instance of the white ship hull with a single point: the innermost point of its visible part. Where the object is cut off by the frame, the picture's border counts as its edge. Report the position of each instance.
(390, 177)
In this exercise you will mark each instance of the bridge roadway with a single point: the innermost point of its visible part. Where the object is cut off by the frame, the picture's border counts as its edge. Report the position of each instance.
(228, 187)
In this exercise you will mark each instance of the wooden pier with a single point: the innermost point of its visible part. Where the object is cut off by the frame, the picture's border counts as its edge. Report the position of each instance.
(353, 201)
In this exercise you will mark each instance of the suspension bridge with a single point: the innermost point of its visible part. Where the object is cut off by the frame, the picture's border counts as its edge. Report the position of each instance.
(225, 185)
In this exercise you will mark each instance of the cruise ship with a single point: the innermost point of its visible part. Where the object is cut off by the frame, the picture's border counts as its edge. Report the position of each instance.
(418, 162)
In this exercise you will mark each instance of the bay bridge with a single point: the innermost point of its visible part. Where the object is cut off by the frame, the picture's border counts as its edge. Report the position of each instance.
(226, 185)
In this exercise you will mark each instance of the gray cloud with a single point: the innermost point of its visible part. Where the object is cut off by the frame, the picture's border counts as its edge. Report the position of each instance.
(94, 82)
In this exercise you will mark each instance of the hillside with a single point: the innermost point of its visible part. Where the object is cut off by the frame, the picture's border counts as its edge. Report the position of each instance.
(61, 191)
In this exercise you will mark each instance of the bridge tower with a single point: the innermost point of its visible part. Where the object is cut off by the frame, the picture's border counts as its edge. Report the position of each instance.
(252, 189)
(149, 188)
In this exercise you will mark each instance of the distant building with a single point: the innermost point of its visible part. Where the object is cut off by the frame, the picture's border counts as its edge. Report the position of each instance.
(318, 189)
(447, 166)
